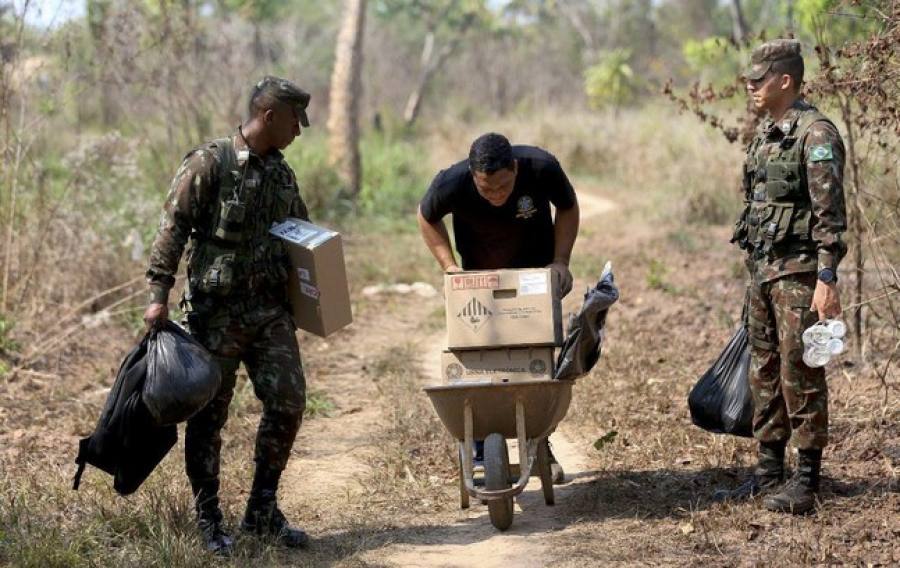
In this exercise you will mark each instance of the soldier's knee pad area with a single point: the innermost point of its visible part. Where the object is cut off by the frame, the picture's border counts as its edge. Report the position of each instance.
(281, 391)
(287, 410)
(762, 338)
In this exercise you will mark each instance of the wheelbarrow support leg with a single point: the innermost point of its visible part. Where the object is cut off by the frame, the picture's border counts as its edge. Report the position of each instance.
(543, 466)
(523, 442)
(468, 475)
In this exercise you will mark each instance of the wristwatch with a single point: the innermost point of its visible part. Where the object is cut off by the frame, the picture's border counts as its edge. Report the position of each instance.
(828, 276)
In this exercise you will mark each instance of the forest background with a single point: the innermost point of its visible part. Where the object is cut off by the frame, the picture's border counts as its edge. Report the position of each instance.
(100, 100)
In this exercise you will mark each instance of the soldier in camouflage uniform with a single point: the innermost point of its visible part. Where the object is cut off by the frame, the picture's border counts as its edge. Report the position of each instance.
(223, 200)
(791, 229)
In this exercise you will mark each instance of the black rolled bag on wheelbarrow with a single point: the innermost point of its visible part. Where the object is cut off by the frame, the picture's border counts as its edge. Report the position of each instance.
(166, 378)
(721, 402)
(581, 349)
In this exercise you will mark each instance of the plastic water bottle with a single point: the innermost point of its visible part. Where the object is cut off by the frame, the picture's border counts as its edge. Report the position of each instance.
(816, 356)
(837, 328)
(821, 341)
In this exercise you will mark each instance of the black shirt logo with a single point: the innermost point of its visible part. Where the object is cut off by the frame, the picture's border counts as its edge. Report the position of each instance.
(526, 208)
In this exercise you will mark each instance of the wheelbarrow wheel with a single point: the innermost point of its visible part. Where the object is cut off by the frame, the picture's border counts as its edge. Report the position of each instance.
(496, 476)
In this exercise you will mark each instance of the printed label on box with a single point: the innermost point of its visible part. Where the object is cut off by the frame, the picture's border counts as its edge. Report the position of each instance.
(475, 282)
(532, 283)
(474, 314)
(309, 290)
(291, 232)
(303, 274)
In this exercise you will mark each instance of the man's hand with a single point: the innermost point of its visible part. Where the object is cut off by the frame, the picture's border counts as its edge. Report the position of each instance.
(826, 301)
(452, 268)
(564, 277)
(156, 315)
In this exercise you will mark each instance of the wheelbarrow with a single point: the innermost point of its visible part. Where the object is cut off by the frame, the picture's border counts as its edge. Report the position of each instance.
(528, 411)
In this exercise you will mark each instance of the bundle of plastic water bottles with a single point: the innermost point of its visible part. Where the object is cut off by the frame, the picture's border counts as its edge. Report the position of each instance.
(822, 341)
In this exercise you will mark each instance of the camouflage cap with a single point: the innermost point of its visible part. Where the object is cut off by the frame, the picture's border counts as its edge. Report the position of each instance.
(286, 92)
(768, 53)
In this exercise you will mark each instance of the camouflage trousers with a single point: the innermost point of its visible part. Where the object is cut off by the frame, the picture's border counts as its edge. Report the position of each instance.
(789, 398)
(263, 339)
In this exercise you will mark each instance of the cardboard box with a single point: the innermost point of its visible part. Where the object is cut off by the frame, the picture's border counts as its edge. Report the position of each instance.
(502, 308)
(497, 365)
(317, 285)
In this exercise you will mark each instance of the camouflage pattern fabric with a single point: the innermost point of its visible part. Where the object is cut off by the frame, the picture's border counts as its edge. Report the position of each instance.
(795, 165)
(789, 398)
(821, 177)
(192, 209)
(248, 320)
(263, 339)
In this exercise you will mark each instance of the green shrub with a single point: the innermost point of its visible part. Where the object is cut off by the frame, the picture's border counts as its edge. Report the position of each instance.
(394, 177)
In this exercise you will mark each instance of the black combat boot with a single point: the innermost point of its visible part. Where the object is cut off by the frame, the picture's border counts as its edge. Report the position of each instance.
(264, 518)
(769, 473)
(799, 494)
(209, 518)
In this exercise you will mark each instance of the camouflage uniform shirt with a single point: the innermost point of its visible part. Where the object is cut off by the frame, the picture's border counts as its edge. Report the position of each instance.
(824, 179)
(192, 203)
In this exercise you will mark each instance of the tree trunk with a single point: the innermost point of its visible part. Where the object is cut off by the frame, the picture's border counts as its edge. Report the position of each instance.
(430, 63)
(790, 16)
(580, 24)
(857, 229)
(98, 13)
(739, 24)
(343, 114)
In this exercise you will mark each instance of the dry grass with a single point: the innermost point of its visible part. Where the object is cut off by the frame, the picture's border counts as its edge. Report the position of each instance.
(647, 500)
(650, 502)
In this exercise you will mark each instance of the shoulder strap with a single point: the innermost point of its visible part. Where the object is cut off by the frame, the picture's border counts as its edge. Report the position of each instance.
(227, 164)
(804, 122)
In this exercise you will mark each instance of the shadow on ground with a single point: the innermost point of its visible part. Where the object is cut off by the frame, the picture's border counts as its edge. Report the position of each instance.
(588, 496)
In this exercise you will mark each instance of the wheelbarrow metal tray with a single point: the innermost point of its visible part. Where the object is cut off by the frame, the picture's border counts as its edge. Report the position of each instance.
(493, 406)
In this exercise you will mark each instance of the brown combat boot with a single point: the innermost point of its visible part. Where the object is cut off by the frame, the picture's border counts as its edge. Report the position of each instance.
(799, 494)
(769, 474)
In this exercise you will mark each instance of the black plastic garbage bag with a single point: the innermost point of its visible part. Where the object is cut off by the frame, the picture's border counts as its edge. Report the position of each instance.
(127, 442)
(721, 402)
(182, 376)
(581, 349)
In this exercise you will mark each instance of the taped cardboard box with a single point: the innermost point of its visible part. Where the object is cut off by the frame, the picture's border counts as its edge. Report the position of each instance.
(502, 308)
(497, 365)
(317, 285)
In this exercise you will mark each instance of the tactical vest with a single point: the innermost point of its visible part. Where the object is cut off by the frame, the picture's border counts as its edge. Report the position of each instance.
(777, 218)
(234, 256)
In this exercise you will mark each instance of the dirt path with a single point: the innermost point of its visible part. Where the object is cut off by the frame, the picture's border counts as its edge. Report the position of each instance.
(470, 540)
(333, 453)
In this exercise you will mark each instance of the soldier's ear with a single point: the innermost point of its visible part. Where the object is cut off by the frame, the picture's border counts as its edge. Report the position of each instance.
(269, 116)
(787, 83)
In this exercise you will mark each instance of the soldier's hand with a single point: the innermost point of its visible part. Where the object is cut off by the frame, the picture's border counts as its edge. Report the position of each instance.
(826, 301)
(564, 277)
(452, 268)
(156, 315)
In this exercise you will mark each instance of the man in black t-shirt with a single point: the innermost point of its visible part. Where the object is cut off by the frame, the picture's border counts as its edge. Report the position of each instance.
(500, 201)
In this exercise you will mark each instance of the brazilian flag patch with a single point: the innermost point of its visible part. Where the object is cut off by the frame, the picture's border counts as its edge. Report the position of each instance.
(820, 153)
